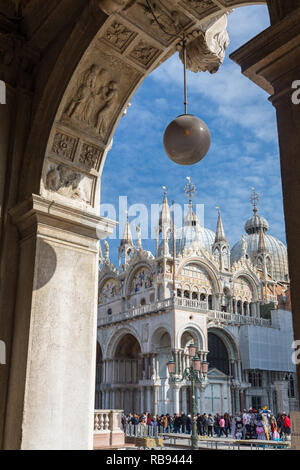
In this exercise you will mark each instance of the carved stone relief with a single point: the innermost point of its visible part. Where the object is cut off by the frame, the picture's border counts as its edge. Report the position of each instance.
(205, 6)
(172, 21)
(207, 51)
(113, 6)
(68, 183)
(118, 35)
(143, 53)
(64, 146)
(97, 95)
(90, 156)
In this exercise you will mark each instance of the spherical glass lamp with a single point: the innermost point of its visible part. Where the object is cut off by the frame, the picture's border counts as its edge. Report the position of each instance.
(187, 140)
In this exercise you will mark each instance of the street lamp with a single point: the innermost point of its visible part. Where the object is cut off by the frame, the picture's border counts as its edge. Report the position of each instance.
(196, 373)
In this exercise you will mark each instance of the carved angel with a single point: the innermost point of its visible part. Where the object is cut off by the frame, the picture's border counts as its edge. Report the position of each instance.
(244, 245)
(139, 237)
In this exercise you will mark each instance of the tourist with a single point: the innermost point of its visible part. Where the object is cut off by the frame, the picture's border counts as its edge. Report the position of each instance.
(210, 424)
(286, 425)
(183, 422)
(177, 423)
(221, 426)
(189, 424)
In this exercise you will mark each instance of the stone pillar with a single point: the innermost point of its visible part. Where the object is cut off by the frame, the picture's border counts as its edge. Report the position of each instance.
(51, 390)
(281, 388)
(155, 399)
(142, 400)
(184, 400)
(272, 61)
(202, 401)
(176, 389)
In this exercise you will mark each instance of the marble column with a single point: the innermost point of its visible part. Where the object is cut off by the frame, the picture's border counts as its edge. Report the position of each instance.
(142, 400)
(272, 61)
(54, 352)
(176, 389)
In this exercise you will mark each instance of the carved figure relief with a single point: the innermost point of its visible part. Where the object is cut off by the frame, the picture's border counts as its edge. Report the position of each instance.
(93, 99)
(64, 146)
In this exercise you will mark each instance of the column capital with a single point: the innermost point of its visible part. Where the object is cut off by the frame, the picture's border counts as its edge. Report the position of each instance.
(272, 59)
(38, 211)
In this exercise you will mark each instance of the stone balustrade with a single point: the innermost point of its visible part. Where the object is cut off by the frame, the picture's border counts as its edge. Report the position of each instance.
(108, 429)
(182, 303)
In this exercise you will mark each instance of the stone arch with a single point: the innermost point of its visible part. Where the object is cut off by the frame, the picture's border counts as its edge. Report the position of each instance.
(92, 41)
(115, 338)
(132, 273)
(253, 281)
(195, 331)
(228, 339)
(159, 338)
(113, 288)
(71, 178)
(207, 267)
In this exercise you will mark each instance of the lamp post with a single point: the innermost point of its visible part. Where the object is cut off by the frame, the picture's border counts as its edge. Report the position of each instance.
(196, 373)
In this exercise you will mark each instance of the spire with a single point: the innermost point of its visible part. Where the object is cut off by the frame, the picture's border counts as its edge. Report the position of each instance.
(220, 234)
(126, 246)
(254, 200)
(165, 216)
(127, 237)
(262, 246)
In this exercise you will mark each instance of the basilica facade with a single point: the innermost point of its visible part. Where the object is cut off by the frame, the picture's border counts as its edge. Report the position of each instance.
(233, 304)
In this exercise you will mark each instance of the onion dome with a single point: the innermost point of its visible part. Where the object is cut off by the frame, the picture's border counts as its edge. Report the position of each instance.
(258, 241)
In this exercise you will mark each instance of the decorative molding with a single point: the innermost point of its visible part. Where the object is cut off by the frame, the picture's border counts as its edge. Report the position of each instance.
(90, 156)
(118, 35)
(143, 53)
(114, 6)
(206, 52)
(64, 145)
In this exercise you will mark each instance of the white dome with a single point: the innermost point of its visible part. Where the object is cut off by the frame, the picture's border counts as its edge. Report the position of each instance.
(195, 236)
(276, 248)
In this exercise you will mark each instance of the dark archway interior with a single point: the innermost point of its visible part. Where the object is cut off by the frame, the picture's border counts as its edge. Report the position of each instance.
(218, 355)
(128, 348)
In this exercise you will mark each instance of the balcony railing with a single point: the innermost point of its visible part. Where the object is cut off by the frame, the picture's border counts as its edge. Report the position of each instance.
(108, 430)
(182, 303)
(237, 319)
(135, 312)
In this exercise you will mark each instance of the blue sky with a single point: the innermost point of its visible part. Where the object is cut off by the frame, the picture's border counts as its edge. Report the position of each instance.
(244, 150)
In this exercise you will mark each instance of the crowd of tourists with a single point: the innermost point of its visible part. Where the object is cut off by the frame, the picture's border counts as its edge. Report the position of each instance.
(249, 424)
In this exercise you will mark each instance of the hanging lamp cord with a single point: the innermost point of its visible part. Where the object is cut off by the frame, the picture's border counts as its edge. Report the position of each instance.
(183, 39)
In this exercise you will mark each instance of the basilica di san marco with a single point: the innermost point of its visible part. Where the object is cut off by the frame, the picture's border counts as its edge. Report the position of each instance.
(231, 303)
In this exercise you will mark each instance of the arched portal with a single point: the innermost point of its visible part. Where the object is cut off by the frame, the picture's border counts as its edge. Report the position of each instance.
(124, 373)
(53, 166)
(218, 355)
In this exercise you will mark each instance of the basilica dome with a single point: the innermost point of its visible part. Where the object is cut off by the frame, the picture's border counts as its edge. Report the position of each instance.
(192, 235)
(275, 247)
